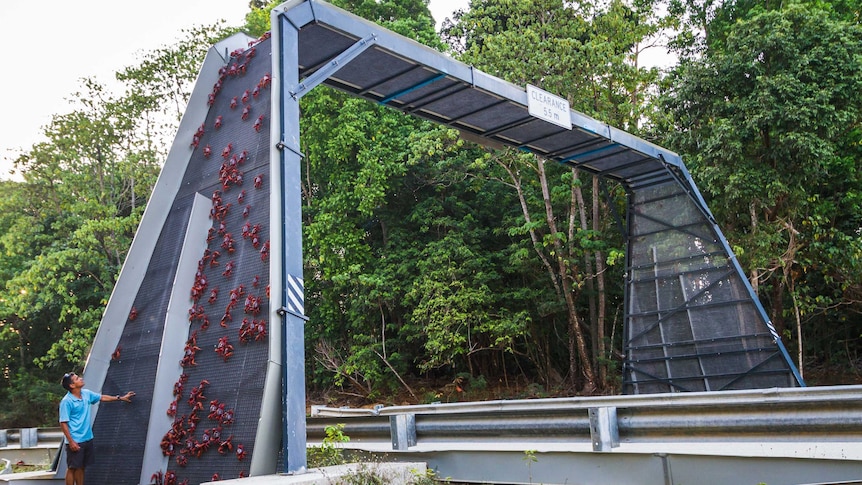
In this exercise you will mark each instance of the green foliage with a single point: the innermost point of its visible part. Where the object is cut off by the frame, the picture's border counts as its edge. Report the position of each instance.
(769, 118)
(257, 21)
(66, 229)
(374, 474)
(330, 452)
(29, 401)
(530, 458)
(426, 256)
(365, 474)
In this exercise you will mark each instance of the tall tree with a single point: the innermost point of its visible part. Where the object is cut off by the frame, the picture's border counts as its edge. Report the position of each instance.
(587, 52)
(67, 227)
(770, 120)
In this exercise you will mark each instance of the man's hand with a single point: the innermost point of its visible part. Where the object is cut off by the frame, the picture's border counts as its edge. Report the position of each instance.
(73, 445)
(127, 397)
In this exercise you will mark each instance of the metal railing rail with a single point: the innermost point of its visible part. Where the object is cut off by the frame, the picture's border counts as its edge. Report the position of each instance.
(809, 422)
(776, 436)
(24, 438)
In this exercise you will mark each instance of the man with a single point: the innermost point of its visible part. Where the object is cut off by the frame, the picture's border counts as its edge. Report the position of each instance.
(76, 425)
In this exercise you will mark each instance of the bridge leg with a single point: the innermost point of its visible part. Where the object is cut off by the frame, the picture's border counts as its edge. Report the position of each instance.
(286, 42)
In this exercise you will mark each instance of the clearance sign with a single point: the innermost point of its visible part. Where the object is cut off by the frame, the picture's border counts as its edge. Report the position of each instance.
(549, 107)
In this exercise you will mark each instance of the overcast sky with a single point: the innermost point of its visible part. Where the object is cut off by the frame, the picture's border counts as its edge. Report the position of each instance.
(51, 44)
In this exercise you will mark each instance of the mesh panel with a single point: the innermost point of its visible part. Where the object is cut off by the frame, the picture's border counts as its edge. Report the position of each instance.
(238, 381)
(119, 459)
(691, 324)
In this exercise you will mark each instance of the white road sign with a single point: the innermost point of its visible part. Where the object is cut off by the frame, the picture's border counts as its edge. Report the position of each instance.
(549, 107)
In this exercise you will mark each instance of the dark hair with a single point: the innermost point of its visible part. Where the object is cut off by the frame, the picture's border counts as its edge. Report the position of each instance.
(67, 381)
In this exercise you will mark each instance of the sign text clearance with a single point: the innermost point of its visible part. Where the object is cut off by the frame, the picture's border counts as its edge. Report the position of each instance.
(549, 107)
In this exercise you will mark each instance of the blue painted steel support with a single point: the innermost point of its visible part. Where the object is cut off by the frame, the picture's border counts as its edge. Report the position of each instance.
(590, 152)
(293, 400)
(412, 88)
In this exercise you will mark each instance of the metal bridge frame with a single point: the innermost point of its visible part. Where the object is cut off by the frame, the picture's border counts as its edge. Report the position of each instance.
(314, 43)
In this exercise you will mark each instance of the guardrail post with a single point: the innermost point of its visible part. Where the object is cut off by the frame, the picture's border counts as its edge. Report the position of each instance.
(402, 429)
(4, 439)
(29, 437)
(604, 432)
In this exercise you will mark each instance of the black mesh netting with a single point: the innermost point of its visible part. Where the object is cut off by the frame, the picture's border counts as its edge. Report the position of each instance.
(232, 152)
(691, 324)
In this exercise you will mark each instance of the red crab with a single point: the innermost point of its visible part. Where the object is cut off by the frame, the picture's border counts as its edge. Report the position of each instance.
(133, 314)
(225, 153)
(226, 445)
(227, 417)
(172, 408)
(213, 295)
(252, 305)
(246, 112)
(258, 124)
(258, 181)
(265, 81)
(237, 293)
(215, 405)
(240, 452)
(246, 331)
(208, 151)
(233, 103)
(264, 251)
(218, 121)
(228, 269)
(228, 243)
(226, 317)
(189, 353)
(116, 354)
(224, 349)
(196, 312)
(178, 386)
(196, 397)
(259, 329)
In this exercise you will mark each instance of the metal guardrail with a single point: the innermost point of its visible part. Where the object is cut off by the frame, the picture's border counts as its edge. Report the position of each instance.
(796, 414)
(774, 436)
(797, 435)
(24, 438)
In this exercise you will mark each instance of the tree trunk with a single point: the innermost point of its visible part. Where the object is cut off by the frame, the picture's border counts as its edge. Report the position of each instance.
(755, 274)
(578, 196)
(564, 273)
(602, 298)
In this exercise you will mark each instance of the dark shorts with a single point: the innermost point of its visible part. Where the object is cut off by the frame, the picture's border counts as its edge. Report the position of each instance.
(82, 458)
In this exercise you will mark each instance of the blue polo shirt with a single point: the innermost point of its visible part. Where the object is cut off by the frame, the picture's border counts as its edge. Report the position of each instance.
(76, 412)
